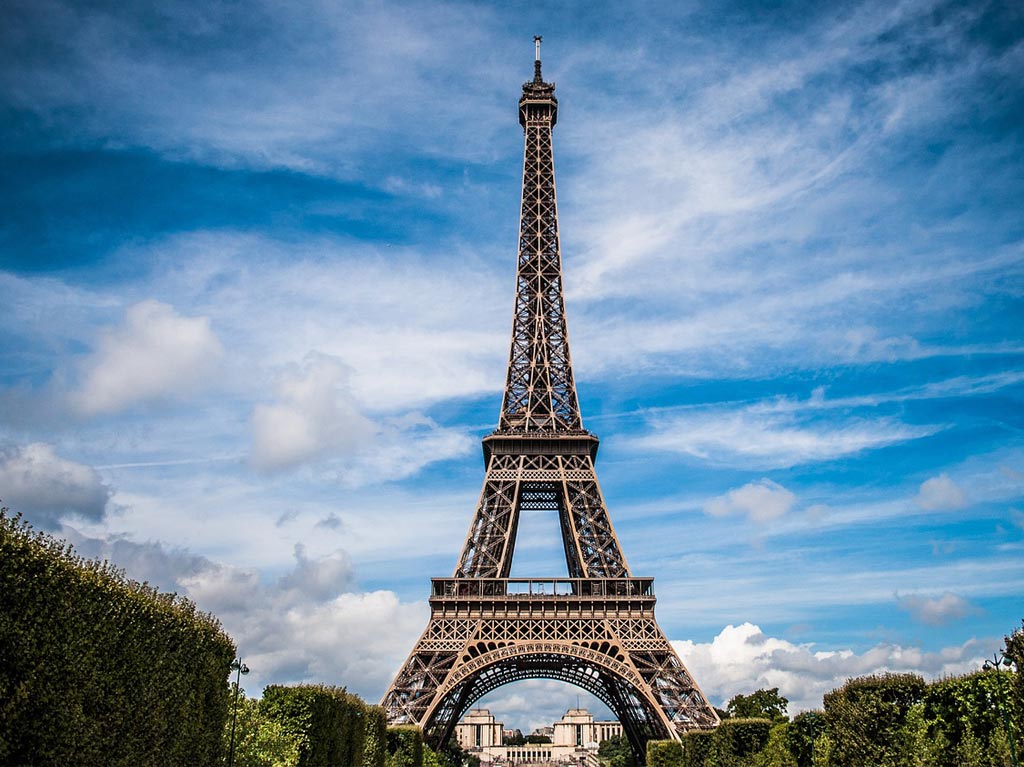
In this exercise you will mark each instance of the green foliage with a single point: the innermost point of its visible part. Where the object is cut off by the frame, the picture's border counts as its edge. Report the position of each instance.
(664, 753)
(776, 752)
(259, 740)
(327, 722)
(405, 747)
(964, 708)
(700, 748)
(803, 731)
(96, 669)
(452, 755)
(616, 752)
(1015, 652)
(864, 718)
(538, 739)
(762, 704)
(375, 737)
(741, 738)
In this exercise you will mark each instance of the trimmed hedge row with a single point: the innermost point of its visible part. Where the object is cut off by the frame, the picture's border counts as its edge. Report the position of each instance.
(733, 742)
(405, 747)
(328, 722)
(96, 669)
(334, 728)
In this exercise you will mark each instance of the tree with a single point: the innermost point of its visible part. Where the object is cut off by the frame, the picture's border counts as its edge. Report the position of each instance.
(538, 739)
(763, 704)
(259, 740)
(803, 731)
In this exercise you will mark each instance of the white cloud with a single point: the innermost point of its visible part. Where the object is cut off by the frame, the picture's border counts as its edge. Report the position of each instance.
(940, 494)
(741, 659)
(752, 438)
(534, 703)
(936, 611)
(762, 501)
(310, 624)
(37, 481)
(156, 354)
(316, 417)
(314, 414)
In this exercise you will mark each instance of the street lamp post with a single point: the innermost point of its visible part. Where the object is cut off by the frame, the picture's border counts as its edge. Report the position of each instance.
(240, 668)
(998, 659)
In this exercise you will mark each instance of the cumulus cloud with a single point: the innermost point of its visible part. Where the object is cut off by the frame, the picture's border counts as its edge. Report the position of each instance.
(46, 487)
(311, 625)
(762, 501)
(936, 611)
(534, 703)
(940, 494)
(156, 354)
(741, 659)
(308, 624)
(314, 414)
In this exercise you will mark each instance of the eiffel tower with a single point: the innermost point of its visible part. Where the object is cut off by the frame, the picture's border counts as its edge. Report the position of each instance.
(595, 629)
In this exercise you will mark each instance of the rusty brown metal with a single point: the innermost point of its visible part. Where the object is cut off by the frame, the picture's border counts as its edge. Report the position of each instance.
(595, 629)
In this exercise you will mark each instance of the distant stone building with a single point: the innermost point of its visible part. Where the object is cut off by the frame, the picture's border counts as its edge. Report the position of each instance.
(575, 739)
(478, 730)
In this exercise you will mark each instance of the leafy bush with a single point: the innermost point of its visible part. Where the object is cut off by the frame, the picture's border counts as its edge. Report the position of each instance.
(961, 710)
(259, 741)
(864, 718)
(741, 738)
(96, 669)
(327, 722)
(776, 752)
(405, 747)
(803, 731)
(700, 748)
(617, 752)
(664, 753)
(375, 740)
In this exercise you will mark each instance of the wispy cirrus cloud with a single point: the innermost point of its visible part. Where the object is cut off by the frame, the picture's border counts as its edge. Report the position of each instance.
(746, 437)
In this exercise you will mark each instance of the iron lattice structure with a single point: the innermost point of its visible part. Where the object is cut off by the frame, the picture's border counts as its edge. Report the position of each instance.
(595, 629)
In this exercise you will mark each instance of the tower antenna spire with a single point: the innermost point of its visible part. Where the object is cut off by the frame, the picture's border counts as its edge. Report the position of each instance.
(536, 59)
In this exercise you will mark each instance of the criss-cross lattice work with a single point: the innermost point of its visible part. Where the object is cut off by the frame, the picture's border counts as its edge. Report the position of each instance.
(566, 484)
(540, 395)
(594, 629)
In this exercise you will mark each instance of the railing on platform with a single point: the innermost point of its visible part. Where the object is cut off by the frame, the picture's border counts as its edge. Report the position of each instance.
(461, 588)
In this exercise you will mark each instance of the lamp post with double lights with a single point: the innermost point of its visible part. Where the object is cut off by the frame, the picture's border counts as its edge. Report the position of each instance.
(240, 668)
(1000, 659)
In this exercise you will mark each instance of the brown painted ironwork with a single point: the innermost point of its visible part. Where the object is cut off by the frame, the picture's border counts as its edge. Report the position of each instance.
(595, 629)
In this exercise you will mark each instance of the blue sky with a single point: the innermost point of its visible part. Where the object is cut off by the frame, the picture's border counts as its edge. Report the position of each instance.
(257, 264)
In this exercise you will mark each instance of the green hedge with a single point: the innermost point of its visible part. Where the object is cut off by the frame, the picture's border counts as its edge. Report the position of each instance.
(700, 748)
(375, 742)
(864, 718)
(959, 711)
(96, 669)
(327, 722)
(740, 738)
(664, 753)
(405, 747)
(802, 733)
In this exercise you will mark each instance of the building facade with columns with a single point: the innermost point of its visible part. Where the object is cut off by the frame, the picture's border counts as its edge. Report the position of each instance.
(576, 738)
